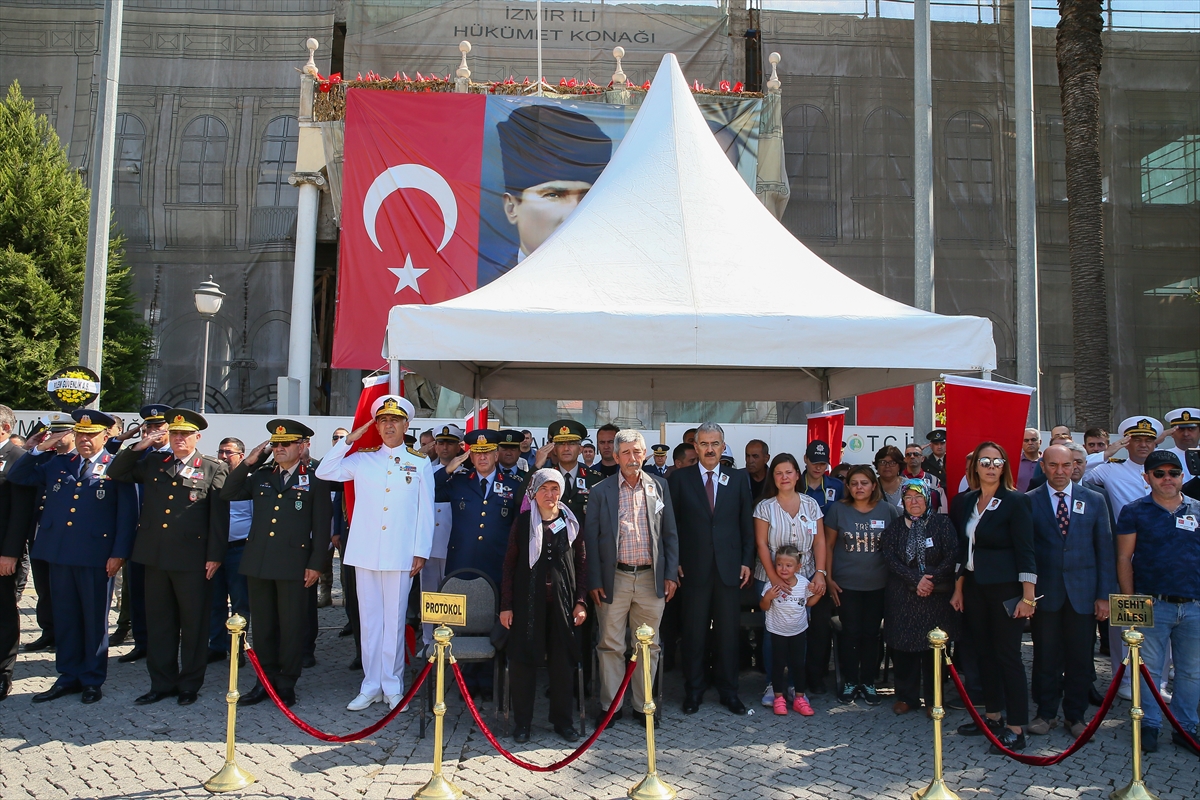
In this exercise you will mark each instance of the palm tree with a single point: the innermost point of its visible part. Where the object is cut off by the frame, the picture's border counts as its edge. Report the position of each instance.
(1079, 49)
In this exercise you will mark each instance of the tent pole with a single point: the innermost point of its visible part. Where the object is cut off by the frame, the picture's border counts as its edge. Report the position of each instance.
(394, 378)
(922, 198)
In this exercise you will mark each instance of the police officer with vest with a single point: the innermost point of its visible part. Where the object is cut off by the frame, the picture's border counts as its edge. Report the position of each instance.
(181, 540)
(286, 551)
(86, 532)
(484, 504)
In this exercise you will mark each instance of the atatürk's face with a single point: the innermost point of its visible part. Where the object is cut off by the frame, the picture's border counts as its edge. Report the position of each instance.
(539, 210)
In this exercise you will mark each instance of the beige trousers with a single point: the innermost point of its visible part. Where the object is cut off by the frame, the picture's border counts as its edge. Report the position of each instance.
(634, 603)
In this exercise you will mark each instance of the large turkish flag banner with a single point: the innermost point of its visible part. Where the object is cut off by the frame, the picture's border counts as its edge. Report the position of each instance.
(982, 411)
(410, 211)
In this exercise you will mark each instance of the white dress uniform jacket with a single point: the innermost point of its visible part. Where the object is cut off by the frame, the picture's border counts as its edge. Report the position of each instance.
(442, 521)
(393, 504)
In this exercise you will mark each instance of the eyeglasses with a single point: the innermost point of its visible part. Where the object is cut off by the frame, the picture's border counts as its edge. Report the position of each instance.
(1162, 473)
(228, 452)
(986, 462)
(284, 444)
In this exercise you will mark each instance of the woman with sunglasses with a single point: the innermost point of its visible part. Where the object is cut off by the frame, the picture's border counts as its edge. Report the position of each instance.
(995, 587)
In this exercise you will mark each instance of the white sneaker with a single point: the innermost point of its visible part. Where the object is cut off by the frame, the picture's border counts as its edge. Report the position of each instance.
(768, 699)
(393, 700)
(1166, 695)
(1125, 692)
(363, 702)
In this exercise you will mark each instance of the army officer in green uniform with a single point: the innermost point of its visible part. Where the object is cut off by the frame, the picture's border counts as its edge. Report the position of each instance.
(181, 539)
(286, 552)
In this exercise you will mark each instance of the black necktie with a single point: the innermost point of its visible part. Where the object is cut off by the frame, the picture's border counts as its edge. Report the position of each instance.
(483, 486)
(1063, 516)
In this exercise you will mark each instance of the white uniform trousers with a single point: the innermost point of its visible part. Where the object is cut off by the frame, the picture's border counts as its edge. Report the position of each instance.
(382, 603)
(431, 580)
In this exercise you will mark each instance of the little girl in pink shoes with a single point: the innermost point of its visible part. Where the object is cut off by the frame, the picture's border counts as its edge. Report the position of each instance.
(786, 622)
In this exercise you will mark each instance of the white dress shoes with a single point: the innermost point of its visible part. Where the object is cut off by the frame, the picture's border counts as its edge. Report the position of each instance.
(394, 700)
(363, 702)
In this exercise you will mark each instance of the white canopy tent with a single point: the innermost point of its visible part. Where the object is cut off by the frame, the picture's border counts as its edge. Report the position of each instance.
(671, 281)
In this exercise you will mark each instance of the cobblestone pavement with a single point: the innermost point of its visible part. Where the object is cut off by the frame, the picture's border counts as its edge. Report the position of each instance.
(114, 749)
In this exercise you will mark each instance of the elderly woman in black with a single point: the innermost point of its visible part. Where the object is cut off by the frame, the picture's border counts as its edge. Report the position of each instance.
(995, 588)
(921, 553)
(542, 600)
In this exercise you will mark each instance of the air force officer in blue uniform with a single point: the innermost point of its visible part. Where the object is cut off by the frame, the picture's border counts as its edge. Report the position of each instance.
(1076, 571)
(85, 534)
(483, 504)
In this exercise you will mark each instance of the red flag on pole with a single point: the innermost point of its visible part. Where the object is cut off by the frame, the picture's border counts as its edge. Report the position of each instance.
(374, 388)
(828, 426)
(476, 419)
(980, 411)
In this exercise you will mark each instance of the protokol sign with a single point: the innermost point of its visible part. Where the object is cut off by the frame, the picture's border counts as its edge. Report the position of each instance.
(443, 609)
(1131, 610)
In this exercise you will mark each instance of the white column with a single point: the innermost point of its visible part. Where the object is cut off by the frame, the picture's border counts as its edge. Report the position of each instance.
(1028, 357)
(300, 337)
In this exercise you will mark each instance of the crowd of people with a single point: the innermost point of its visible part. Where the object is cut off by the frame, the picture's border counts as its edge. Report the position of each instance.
(582, 548)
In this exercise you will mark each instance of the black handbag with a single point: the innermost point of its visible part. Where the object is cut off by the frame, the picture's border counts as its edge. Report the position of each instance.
(498, 636)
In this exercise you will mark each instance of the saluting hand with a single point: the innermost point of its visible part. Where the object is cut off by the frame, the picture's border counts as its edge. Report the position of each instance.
(152, 439)
(458, 461)
(50, 442)
(256, 453)
(357, 433)
(542, 455)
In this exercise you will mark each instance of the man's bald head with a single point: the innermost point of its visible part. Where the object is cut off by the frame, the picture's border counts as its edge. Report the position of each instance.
(1057, 464)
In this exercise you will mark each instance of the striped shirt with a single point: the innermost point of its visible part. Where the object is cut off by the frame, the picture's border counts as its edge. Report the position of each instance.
(633, 524)
(798, 531)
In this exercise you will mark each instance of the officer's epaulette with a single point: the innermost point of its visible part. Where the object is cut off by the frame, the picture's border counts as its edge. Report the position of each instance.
(1115, 460)
(416, 452)
(366, 449)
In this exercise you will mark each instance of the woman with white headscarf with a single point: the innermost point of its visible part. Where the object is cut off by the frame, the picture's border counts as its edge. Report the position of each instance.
(542, 599)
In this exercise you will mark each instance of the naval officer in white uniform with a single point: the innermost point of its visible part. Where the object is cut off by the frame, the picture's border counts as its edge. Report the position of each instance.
(391, 535)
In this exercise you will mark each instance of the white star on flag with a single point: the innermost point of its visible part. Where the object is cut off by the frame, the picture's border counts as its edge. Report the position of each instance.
(407, 276)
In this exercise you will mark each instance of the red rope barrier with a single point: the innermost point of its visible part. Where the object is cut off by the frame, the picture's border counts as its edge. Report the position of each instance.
(1043, 761)
(1166, 709)
(328, 737)
(557, 765)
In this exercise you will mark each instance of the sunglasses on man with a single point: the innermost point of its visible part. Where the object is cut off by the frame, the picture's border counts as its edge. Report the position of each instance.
(1162, 473)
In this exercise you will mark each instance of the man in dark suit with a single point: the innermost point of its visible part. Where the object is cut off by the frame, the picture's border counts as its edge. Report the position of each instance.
(181, 540)
(1076, 569)
(85, 534)
(13, 538)
(713, 509)
(286, 550)
(633, 559)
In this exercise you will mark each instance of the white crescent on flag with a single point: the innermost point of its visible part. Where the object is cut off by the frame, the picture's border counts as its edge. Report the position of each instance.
(411, 176)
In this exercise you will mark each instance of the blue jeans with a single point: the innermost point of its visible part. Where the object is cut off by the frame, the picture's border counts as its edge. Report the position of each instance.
(1179, 625)
(229, 591)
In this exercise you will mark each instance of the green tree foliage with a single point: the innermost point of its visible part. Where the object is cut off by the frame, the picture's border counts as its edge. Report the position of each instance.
(43, 241)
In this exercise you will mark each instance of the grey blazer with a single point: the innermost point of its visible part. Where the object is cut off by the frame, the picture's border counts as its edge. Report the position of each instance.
(600, 534)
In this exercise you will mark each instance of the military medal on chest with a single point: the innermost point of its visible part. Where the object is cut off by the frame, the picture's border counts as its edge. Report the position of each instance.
(193, 495)
(299, 505)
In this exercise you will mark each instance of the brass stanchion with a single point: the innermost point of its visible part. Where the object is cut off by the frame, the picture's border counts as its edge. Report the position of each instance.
(937, 789)
(650, 787)
(438, 788)
(231, 777)
(1136, 790)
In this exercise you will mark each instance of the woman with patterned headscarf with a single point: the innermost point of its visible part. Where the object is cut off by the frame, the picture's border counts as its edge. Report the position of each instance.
(920, 549)
(542, 601)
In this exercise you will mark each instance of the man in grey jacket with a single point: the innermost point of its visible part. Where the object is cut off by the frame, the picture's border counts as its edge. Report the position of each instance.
(633, 561)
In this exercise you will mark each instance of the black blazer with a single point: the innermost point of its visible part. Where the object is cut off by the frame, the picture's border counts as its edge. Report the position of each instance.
(1003, 538)
(724, 534)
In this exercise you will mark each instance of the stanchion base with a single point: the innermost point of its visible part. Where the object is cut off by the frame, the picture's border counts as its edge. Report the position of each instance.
(652, 788)
(937, 790)
(1136, 790)
(229, 779)
(438, 788)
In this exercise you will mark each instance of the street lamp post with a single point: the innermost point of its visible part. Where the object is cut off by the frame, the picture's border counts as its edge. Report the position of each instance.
(208, 296)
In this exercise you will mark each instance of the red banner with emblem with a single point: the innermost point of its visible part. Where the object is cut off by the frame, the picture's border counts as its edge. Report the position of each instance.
(410, 211)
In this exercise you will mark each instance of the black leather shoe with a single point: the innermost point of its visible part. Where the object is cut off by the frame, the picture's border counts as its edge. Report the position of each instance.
(118, 636)
(55, 692)
(133, 655)
(356, 663)
(186, 698)
(691, 704)
(1094, 697)
(217, 655)
(971, 729)
(567, 732)
(346, 630)
(40, 643)
(242, 658)
(154, 697)
(620, 712)
(1150, 740)
(308, 661)
(254, 697)
(91, 694)
(1011, 740)
(1179, 741)
(640, 719)
(735, 705)
(521, 735)
(288, 696)
(5, 687)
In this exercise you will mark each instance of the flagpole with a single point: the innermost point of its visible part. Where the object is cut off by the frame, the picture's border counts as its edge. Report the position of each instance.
(539, 82)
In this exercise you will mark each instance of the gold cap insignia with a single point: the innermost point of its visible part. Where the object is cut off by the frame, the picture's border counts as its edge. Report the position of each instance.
(85, 420)
(178, 420)
(564, 430)
(281, 430)
(1186, 416)
(481, 440)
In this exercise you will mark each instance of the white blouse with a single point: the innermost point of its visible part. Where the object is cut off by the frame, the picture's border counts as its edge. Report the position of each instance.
(798, 531)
